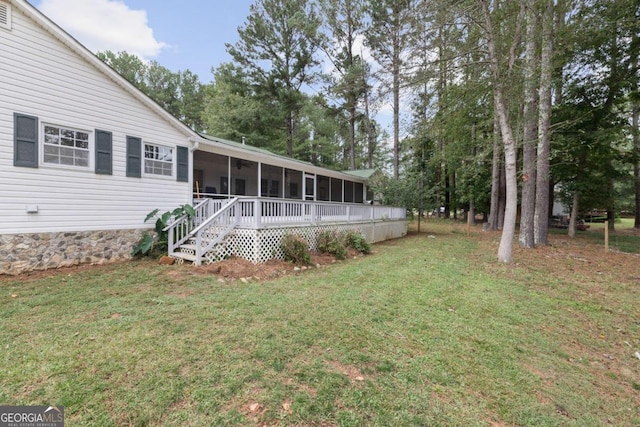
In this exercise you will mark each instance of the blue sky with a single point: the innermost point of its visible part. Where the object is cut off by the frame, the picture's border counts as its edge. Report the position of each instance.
(186, 34)
(180, 35)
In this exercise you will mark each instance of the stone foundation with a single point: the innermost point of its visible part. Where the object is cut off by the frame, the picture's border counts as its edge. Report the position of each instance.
(20, 253)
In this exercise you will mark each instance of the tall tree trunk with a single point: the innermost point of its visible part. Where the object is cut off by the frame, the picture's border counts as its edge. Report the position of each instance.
(511, 209)
(370, 136)
(635, 130)
(472, 212)
(636, 164)
(447, 194)
(441, 87)
(496, 166)
(396, 108)
(530, 117)
(541, 220)
(453, 206)
(573, 220)
(290, 134)
(502, 196)
(352, 137)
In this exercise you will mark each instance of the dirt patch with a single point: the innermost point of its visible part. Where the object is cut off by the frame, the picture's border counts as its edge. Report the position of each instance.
(348, 371)
(235, 268)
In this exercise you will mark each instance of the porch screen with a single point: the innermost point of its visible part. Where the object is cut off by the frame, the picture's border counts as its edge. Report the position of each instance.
(322, 183)
(336, 190)
(348, 191)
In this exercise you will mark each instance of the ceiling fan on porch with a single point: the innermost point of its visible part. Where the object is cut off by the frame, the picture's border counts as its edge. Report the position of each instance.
(242, 164)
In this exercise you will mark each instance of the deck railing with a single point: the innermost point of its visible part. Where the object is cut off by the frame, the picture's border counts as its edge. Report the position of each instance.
(256, 212)
(182, 228)
(215, 228)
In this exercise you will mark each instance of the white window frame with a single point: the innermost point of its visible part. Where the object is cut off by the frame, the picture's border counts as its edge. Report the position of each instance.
(90, 150)
(158, 161)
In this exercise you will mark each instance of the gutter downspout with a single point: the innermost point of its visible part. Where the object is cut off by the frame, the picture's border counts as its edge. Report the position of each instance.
(195, 143)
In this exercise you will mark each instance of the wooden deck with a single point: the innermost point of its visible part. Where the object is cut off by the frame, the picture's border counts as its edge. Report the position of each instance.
(252, 227)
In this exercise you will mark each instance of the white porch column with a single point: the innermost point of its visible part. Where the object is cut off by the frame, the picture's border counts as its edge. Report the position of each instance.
(256, 212)
(228, 176)
(259, 185)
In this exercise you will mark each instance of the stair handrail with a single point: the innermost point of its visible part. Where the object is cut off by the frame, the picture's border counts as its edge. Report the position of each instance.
(198, 231)
(180, 230)
(215, 215)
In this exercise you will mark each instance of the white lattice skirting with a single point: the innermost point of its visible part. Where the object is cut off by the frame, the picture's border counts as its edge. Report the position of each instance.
(261, 245)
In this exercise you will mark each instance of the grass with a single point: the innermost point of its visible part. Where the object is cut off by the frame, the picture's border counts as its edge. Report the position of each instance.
(620, 239)
(429, 330)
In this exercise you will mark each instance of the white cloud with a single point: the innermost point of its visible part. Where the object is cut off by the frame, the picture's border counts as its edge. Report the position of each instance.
(105, 25)
(359, 48)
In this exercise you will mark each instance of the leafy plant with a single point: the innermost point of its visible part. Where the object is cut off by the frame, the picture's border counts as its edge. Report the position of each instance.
(158, 242)
(296, 249)
(357, 241)
(332, 243)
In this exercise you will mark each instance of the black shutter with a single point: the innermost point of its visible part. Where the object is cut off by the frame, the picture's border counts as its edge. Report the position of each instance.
(183, 164)
(104, 152)
(134, 157)
(25, 141)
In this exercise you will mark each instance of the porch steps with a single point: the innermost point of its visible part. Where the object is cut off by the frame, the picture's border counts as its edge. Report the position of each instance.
(187, 252)
(184, 256)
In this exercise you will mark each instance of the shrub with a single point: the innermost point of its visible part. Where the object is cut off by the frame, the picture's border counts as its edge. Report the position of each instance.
(331, 243)
(357, 241)
(324, 238)
(151, 244)
(296, 249)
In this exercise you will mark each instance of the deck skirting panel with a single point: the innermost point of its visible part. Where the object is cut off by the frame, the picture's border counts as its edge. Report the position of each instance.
(262, 244)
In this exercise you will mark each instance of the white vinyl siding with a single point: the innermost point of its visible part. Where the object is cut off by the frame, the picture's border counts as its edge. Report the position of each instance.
(36, 72)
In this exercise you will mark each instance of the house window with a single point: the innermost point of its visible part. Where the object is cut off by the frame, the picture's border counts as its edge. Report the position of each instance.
(158, 160)
(64, 146)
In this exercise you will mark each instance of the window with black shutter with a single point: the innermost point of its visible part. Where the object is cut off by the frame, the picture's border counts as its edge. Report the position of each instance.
(134, 157)
(183, 164)
(25, 141)
(104, 149)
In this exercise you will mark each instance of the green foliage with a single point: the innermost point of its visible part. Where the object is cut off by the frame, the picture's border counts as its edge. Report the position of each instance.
(296, 249)
(180, 93)
(233, 111)
(157, 243)
(357, 241)
(277, 51)
(330, 242)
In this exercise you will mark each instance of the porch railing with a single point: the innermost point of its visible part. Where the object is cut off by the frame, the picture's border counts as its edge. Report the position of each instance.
(256, 212)
(215, 228)
(181, 229)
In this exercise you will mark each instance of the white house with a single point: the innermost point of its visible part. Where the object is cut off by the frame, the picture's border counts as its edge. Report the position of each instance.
(84, 156)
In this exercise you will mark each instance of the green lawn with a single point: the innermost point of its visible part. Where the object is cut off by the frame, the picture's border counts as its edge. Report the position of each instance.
(428, 331)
